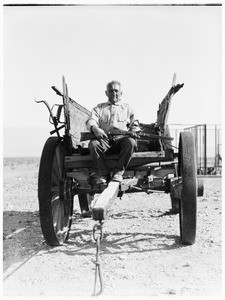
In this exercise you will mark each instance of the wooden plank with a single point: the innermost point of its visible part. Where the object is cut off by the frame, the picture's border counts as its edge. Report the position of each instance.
(78, 157)
(100, 208)
(163, 111)
(75, 117)
(78, 116)
(169, 104)
(138, 159)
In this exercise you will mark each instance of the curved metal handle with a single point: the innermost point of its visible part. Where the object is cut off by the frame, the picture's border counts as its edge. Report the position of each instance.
(54, 121)
(47, 105)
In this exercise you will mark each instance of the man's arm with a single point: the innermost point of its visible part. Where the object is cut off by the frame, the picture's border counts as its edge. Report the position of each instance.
(134, 122)
(93, 120)
(93, 124)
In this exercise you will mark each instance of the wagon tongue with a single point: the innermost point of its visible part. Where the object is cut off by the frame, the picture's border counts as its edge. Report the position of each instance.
(100, 208)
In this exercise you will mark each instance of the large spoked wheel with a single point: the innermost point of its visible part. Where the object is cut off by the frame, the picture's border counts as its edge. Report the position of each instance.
(55, 194)
(188, 202)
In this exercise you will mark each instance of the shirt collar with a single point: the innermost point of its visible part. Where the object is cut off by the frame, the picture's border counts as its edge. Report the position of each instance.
(117, 103)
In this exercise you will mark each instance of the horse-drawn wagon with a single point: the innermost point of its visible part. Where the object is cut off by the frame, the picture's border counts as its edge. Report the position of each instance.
(66, 169)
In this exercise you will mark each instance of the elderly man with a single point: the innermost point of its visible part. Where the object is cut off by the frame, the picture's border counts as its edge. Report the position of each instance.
(105, 117)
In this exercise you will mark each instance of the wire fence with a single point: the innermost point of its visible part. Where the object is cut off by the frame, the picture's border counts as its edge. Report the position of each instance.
(208, 144)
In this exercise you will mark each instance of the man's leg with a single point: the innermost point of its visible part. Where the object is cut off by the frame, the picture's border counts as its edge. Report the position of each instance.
(97, 150)
(127, 146)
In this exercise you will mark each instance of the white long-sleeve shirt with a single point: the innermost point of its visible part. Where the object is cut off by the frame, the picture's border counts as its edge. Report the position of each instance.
(108, 116)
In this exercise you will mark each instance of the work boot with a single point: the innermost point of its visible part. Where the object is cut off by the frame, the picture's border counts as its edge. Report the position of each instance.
(86, 214)
(104, 179)
(117, 176)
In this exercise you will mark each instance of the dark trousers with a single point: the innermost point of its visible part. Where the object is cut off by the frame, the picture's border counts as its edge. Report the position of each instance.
(123, 146)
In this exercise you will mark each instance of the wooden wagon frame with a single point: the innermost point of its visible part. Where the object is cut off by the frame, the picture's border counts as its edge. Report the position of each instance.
(67, 169)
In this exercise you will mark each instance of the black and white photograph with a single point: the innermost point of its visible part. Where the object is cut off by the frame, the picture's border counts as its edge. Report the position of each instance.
(112, 149)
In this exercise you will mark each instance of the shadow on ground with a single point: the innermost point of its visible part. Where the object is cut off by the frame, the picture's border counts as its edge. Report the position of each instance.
(23, 239)
(22, 236)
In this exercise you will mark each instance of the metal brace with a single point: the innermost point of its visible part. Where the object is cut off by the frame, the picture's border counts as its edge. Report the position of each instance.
(98, 236)
(147, 191)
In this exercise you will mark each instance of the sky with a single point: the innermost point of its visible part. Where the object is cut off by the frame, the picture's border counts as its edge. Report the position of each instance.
(141, 46)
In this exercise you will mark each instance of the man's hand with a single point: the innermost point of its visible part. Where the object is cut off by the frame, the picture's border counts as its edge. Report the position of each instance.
(98, 132)
(133, 134)
(134, 130)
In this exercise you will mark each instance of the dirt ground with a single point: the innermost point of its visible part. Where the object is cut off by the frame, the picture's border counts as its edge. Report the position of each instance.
(140, 252)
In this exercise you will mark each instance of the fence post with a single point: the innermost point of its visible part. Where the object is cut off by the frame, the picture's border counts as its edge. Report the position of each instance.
(216, 150)
(205, 150)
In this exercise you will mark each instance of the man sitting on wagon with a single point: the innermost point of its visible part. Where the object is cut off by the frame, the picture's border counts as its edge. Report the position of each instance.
(105, 117)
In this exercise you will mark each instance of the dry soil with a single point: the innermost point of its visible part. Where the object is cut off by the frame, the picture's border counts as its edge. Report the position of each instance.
(140, 252)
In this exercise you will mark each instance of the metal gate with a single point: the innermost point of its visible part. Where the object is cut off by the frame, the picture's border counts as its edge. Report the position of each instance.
(208, 144)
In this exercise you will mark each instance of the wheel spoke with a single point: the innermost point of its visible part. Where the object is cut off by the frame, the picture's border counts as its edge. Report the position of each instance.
(55, 178)
(56, 174)
(60, 223)
(55, 189)
(59, 220)
(59, 162)
(56, 212)
(55, 197)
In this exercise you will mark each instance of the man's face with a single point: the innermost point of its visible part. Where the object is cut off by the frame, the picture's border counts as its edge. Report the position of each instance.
(114, 93)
